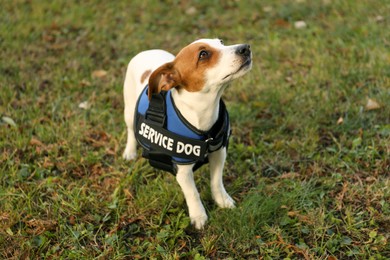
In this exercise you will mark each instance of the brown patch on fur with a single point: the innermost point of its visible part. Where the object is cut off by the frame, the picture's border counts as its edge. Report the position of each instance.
(191, 69)
(145, 75)
(186, 71)
(163, 78)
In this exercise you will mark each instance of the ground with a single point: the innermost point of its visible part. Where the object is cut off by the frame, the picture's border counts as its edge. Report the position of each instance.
(308, 163)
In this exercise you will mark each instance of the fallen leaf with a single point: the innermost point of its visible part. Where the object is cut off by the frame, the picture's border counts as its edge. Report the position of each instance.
(267, 9)
(9, 231)
(379, 18)
(99, 74)
(85, 105)
(288, 79)
(72, 220)
(300, 217)
(4, 216)
(282, 23)
(300, 24)
(47, 163)
(85, 83)
(370, 179)
(128, 194)
(372, 105)
(244, 97)
(110, 151)
(289, 175)
(38, 226)
(340, 120)
(292, 213)
(8, 121)
(58, 46)
(35, 142)
(191, 11)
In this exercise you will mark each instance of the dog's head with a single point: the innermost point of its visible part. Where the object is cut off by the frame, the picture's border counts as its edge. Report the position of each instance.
(203, 66)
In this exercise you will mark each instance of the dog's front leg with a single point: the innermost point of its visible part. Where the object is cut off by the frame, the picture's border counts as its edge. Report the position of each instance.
(217, 161)
(185, 178)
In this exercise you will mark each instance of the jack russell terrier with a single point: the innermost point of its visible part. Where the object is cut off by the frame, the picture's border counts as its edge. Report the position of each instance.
(174, 110)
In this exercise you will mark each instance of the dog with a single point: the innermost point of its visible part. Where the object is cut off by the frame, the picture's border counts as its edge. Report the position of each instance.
(193, 83)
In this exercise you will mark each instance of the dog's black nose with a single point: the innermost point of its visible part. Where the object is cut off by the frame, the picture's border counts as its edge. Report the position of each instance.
(244, 50)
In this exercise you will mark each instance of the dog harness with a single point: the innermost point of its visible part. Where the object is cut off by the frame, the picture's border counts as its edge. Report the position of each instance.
(168, 139)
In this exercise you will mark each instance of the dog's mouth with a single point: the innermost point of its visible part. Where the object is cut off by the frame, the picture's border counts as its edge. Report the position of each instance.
(247, 63)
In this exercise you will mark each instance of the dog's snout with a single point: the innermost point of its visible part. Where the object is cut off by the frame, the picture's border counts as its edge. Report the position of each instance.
(244, 50)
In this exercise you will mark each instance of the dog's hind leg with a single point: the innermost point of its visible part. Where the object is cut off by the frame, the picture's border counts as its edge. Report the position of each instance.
(130, 99)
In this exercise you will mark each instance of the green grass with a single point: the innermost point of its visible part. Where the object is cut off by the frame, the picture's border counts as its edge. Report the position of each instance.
(306, 187)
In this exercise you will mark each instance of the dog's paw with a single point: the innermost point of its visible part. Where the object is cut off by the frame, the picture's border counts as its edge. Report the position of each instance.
(199, 221)
(129, 155)
(225, 202)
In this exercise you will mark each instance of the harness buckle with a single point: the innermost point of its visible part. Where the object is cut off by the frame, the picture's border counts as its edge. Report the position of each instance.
(209, 139)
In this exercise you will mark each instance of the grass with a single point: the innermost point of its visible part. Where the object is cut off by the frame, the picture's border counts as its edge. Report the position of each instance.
(308, 163)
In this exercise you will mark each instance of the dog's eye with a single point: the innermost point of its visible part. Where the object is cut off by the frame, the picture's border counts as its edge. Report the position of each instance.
(203, 55)
(221, 41)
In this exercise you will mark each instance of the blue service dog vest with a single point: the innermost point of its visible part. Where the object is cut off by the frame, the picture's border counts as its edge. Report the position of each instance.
(168, 139)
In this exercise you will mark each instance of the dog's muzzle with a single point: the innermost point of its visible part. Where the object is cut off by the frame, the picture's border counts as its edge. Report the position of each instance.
(244, 50)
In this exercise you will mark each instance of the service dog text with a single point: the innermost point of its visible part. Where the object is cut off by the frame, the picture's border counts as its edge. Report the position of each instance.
(166, 142)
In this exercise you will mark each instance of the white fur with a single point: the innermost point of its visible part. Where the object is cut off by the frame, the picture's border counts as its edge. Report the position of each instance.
(147, 60)
(199, 108)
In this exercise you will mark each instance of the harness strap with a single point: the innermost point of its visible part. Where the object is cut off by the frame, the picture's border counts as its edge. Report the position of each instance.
(156, 114)
(219, 134)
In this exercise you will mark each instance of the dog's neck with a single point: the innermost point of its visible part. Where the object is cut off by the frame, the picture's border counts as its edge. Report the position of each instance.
(199, 109)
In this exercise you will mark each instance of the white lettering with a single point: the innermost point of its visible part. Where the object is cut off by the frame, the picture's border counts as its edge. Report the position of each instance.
(197, 150)
(167, 143)
(180, 147)
(151, 134)
(141, 130)
(170, 144)
(165, 139)
(158, 138)
(188, 149)
(146, 131)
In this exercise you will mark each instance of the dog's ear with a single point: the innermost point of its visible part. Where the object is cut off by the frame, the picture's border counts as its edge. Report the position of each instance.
(163, 78)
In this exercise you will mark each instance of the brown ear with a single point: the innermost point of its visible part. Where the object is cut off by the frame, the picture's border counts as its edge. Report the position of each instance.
(163, 78)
